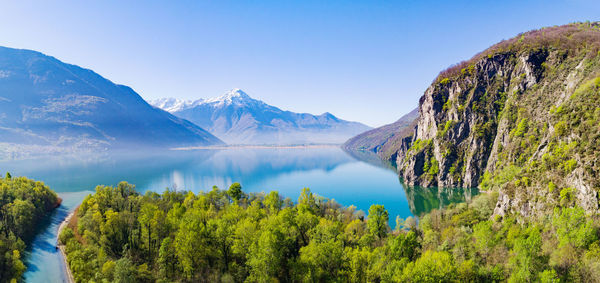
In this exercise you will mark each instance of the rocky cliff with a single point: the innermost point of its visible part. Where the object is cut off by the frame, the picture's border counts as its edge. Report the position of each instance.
(521, 117)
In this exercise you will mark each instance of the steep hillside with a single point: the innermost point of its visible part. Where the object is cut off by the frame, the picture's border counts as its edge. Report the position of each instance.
(237, 118)
(45, 102)
(384, 140)
(521, 117)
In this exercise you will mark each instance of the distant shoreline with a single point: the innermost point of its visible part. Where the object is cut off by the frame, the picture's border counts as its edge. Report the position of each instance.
(250, 146)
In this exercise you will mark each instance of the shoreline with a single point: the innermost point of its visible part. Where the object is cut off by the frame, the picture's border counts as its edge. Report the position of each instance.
(61, 248)
(251, 146)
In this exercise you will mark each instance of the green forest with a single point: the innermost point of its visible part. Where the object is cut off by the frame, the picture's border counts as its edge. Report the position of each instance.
(119, 235)
(23, 203)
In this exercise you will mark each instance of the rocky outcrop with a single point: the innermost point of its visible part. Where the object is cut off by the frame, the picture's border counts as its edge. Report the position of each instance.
(521, 118)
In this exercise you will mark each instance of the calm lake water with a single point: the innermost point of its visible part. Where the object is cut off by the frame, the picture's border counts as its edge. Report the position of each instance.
(356, 179)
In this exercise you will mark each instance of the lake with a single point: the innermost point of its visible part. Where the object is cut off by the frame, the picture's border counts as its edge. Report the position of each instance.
(350, 179)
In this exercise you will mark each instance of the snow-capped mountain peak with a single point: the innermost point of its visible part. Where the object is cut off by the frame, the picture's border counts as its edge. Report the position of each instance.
(237, 118)
(234, 96)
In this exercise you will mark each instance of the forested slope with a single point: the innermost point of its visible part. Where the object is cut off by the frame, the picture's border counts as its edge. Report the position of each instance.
(23, 203)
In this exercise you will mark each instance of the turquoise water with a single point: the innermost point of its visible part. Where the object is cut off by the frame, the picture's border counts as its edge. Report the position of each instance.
(329, 172)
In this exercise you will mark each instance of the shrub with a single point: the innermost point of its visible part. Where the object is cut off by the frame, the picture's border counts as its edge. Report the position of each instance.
(560, 128)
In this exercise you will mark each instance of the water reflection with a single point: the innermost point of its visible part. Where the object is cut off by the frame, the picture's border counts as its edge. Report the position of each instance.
(420, 200)
(351, 179)
(192, 170)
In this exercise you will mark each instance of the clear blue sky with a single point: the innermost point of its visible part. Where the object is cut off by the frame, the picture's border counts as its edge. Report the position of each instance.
(368, 61)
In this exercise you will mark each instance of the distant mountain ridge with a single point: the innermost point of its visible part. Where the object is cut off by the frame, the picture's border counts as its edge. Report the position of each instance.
(385, 140)
(45, 102)
(237, 118)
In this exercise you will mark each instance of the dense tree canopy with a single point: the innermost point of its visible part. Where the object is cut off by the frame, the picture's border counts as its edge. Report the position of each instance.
(23, 202)
(230, 236)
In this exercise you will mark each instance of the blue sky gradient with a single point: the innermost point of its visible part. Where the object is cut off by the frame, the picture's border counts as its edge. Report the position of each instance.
(368, 61)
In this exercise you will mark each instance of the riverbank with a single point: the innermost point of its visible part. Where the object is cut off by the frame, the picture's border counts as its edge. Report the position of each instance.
(61, 247)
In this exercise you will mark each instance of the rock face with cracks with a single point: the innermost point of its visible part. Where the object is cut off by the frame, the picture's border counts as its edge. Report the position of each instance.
(521, 117)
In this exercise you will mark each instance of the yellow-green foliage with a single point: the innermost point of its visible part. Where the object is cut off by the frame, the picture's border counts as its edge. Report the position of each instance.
(419, 145)
(560, 128)
(590, 86)
(431, 167)
(187, 237)
(551, 186)
(449, 124)
(567, 196)
(522, 128)
(505, 175)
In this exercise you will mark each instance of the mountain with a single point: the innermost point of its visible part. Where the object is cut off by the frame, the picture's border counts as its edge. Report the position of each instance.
(384, 140)
(521, 118)
(45, 102)
(237, 118)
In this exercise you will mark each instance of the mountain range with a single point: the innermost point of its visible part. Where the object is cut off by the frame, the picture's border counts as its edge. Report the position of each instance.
(45, 102)
(237, 118)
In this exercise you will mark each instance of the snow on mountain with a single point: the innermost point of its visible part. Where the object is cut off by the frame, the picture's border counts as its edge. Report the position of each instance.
(237, 118)
(170, 104)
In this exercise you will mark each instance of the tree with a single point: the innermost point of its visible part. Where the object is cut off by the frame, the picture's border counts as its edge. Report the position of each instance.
(167, 259)
(273, 202)
(378, 221)
(573, 227)
(485, 239)
(267, 257)
(323, 256)
(22, 214)
(125, 271)
(152, 220)
(405, 245)
(192, 242)
(527, 261)
(431, 267)
(273, 254)
(307, 202)
(235, 191)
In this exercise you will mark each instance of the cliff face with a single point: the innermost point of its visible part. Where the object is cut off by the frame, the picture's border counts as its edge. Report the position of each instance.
(522, 118)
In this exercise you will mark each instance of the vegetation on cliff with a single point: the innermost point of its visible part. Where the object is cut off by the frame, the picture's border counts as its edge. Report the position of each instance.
(520, 117)
(23, 203)
(230, 236)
